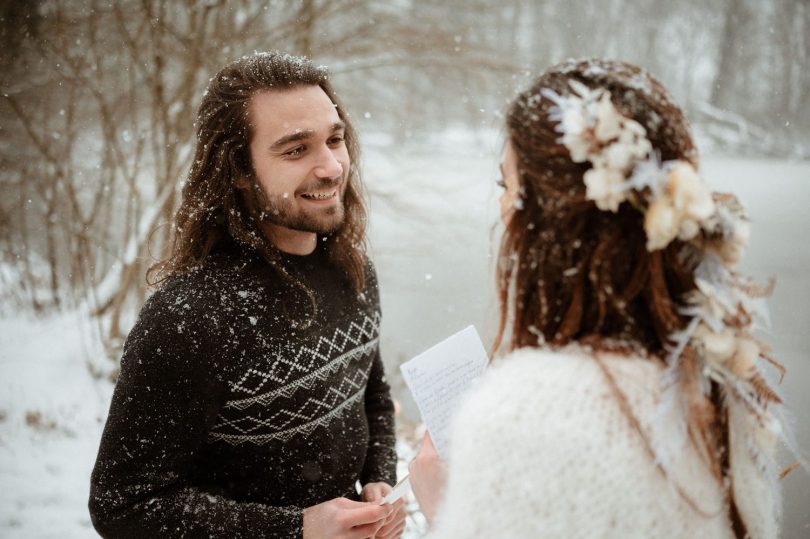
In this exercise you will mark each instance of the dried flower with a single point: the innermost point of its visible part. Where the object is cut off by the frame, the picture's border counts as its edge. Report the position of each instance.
(604, 186)
(742, 363)
(578, 147)
(688, 230)
(732, 247)
(718, 346)
(608, 120)
(660, 224)
(688, 193)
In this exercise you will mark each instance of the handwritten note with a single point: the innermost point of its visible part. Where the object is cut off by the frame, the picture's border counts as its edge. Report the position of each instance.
(439, 377)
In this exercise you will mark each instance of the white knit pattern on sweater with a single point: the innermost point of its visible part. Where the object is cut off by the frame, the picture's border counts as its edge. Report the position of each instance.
(541, 448)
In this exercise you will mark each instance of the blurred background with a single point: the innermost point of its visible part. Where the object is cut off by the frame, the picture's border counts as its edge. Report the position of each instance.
(97, 104)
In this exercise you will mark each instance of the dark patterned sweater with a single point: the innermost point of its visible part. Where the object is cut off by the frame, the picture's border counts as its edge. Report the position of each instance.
(236, 408)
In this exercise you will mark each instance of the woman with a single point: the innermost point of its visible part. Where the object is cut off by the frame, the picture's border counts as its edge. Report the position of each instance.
(631, 402)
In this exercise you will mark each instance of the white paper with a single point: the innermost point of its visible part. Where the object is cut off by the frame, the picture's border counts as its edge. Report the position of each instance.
(439, 377)
(399, 490)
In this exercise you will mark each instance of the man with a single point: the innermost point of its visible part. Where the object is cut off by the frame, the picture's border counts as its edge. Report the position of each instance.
(252, 397)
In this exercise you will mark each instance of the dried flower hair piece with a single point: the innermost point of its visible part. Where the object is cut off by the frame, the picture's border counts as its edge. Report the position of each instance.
(725, 308)
(593, 130)
(624, 164)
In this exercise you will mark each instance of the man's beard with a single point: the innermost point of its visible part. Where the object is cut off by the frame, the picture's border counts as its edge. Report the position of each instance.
(281, 211)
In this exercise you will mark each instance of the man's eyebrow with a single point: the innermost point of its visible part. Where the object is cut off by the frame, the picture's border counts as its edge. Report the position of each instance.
(292, 137)
(303, 134)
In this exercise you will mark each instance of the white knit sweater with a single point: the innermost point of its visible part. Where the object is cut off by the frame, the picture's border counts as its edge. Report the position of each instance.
(541, 448)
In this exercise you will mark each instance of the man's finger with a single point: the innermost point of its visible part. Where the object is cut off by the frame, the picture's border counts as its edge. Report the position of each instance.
(398, 510)
(392, 523)
(374, 492)
(394, 531)
(370, 513)
(363, 532)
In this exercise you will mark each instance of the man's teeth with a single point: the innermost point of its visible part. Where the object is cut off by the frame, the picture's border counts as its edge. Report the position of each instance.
(319, 196)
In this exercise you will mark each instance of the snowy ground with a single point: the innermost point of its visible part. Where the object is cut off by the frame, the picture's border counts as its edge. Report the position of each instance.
(433, 207)
(51, 415)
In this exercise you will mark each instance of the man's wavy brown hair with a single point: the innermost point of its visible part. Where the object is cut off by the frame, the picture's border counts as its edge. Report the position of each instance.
(212, 211)
(570, 272)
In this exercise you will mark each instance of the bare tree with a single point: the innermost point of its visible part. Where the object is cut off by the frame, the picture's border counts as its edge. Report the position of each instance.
(97, 100)
(104, 113)
(735, 19)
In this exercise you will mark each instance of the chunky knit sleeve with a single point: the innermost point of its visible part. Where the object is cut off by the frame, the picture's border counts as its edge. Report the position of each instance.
(166, 399)
(543, 449)
(381, 457)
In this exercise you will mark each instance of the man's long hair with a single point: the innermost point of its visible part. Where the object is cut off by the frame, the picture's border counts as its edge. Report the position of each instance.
(213, 212)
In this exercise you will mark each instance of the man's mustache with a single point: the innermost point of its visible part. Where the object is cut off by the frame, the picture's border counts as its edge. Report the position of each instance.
(323, 183)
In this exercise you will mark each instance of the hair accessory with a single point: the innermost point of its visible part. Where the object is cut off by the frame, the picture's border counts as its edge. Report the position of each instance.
(725, 308)
(677, 204)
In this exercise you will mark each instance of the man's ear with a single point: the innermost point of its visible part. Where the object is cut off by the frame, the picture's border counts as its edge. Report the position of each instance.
(242, 182)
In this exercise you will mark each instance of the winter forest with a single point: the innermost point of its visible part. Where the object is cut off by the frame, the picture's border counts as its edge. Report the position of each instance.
(97, 107)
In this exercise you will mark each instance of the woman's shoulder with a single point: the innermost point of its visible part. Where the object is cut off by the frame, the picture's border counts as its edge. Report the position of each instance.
(549, 428)
(559, 389)
(573, 372)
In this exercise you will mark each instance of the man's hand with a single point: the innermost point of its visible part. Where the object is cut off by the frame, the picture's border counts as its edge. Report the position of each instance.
(395, 523)
(428, 473)
(342, 518)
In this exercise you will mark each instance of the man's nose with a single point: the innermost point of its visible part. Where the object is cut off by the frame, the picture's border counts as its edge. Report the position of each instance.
(328, 165)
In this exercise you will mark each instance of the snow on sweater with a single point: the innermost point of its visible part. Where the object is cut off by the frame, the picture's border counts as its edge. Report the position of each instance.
(236, 407)
(541, 448)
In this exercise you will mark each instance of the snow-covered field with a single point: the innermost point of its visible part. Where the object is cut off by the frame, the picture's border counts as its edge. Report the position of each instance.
(432, 208)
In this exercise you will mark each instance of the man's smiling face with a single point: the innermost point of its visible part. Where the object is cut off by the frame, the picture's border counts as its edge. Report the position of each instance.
(300, 159)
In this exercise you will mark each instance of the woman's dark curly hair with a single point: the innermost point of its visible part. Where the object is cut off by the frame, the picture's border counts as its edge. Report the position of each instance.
(578, 272)
(570, 272)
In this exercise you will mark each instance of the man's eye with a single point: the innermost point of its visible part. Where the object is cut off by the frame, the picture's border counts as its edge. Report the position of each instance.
(295, 152)
(336, 140)
(500, 183)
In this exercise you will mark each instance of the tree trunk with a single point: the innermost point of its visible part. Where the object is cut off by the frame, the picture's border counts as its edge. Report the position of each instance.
(305, 34)
(731, 44)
